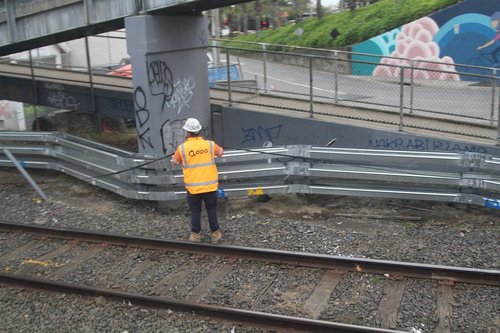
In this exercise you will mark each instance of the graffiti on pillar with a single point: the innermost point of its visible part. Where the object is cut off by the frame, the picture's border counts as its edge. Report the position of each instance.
(176, 94)
(59, 98)
(160, 80)
(173, 135)
(142, 118)
(183, 92)
(203, 36)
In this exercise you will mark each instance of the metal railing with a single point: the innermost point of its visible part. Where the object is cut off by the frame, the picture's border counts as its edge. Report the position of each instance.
(463, 177)
(437, 96)
(398, 91)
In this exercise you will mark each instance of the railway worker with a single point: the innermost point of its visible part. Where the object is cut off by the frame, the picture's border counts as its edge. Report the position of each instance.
(197, 157)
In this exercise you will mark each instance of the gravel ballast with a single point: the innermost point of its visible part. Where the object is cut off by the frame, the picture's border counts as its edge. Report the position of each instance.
(434, 233)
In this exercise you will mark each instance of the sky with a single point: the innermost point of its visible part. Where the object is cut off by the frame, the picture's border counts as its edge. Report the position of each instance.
(328, 3)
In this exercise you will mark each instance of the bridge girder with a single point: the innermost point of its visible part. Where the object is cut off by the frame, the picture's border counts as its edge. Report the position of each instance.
(28, 24)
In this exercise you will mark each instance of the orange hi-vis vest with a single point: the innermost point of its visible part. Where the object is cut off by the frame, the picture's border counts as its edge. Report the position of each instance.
(198, 165)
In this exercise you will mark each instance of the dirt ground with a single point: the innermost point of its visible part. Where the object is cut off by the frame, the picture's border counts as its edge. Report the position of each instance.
(322, 208)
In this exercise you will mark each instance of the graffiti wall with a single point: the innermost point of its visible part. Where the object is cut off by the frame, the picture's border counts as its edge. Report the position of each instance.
(467, 33)
(250, 129)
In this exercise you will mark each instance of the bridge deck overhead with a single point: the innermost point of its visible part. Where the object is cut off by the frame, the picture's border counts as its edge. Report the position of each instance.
(29, 24)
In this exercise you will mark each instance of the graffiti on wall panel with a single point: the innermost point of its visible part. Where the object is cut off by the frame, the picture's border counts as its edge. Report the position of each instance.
(259, 134)
(142, 118)
(58, 98)
(120, 105)
(13, 93)
(423, 145)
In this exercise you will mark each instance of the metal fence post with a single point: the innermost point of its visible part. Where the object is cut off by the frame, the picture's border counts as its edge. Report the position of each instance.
(336, 76)
(264, 48)
(311, 88)
(493, 93)
(498, 122)
(35, 94)
(229, 86)
(92, 92)
(401, 96)
(411, 84)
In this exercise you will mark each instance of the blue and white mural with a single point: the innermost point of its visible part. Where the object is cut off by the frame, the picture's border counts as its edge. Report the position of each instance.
(467, 33)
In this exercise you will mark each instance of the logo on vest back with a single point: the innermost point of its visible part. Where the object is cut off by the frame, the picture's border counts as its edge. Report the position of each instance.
(193, 153)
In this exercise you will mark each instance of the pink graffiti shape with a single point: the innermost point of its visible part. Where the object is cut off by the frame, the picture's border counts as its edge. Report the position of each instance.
(415, 41)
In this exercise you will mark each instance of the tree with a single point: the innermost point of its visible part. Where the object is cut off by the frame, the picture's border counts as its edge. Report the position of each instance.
(319, 10)
(297, 11)
(245, 17)
(299, 8)
(274, 17)
(352, 4)
(258, 15)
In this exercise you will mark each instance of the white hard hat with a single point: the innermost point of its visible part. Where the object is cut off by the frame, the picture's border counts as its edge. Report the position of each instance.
(192, 125)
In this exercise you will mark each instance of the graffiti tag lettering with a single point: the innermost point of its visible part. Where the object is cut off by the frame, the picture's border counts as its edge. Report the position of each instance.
(58, 98)
(183, 92)
(423, 145)
(142, 117)
(160, 80)
(261, 134)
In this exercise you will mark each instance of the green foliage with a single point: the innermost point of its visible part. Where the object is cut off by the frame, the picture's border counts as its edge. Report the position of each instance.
(408, 224)
(353, 26)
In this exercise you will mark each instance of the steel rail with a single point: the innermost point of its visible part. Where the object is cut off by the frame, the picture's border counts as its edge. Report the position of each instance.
(406, 269)
(259, 319)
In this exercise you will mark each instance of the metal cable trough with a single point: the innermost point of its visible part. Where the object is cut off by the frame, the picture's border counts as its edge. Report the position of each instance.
(470, 178)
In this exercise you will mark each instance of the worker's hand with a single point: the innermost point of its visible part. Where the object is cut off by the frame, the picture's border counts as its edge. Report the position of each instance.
(175, 162)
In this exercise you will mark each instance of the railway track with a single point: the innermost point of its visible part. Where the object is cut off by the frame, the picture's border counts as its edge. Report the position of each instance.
(272, 289)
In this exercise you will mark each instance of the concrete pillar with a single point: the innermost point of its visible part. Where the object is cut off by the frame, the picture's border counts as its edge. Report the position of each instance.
(170, 78)
(11, 20)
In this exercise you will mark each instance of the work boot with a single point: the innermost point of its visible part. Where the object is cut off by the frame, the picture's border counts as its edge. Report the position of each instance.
(216, 236)
(195, 237)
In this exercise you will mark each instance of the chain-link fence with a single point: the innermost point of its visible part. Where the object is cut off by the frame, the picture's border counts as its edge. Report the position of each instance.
(437, 96)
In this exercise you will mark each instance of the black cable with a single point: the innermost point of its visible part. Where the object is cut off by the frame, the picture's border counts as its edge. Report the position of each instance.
(131, 168)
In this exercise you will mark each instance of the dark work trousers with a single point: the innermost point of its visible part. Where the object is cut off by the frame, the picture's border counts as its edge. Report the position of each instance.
(195, 201)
